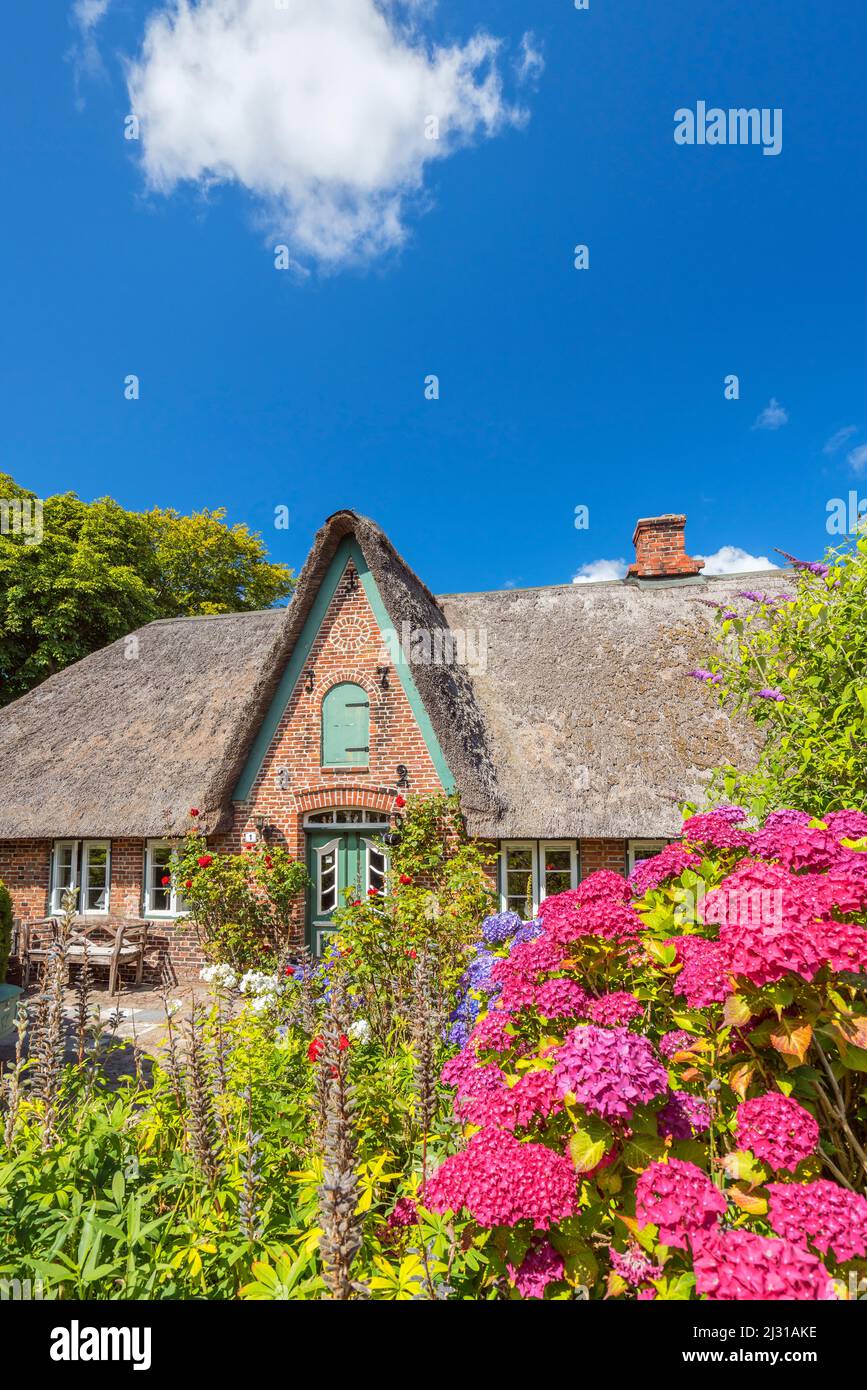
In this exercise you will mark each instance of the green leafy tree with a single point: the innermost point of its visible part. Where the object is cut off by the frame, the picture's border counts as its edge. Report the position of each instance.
(99, 571)
(798, 668)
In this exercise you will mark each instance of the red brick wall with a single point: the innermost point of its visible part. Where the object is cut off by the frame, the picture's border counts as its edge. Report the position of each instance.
(173, 949)
(601, 854)
(348, 647)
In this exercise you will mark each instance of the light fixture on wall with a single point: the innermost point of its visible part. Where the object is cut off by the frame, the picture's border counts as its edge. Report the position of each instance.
(309, 678)
(382, 672)
(402, 775)
(262, 826)
(351, 581)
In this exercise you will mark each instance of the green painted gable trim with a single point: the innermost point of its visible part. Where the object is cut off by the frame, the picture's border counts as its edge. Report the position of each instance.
(348, 549)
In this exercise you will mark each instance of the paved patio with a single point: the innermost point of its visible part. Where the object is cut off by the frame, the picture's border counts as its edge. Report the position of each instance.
(137, 1016)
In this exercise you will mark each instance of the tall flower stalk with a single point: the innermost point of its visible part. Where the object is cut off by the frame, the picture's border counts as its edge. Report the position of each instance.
(339, 1191)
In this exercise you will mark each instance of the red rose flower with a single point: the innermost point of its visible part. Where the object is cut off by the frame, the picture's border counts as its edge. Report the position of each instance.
(400, 801)
(405, 878)
(315, 1048)
(372, 892)
(357, 902)
(412, 954)
(194, 810)
(342, 1042)
(290, 970)
(166, 879)
(204, 860)
(188, 883)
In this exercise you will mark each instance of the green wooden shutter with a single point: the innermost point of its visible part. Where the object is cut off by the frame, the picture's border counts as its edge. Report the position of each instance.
(346, 727)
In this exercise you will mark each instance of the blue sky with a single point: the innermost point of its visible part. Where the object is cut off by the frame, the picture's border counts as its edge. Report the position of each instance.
(305, 387)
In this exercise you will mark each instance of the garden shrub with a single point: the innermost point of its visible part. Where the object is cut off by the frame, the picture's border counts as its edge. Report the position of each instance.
(241, 904)
(439, 889)
(663, 1088)
(796, 663)
(5, 931)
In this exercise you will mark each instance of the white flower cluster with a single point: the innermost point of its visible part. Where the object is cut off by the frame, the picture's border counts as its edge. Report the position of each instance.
(222, 975)
(359, 1031)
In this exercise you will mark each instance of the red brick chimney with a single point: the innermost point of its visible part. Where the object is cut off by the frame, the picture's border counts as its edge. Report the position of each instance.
(660, 549)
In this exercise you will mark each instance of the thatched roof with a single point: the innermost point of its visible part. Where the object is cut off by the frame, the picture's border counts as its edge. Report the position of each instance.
(582, 723)
(595, 727)
(123, 744)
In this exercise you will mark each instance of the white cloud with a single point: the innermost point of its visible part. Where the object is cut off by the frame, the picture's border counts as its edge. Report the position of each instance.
(836, 442)
(730, 559)
(530, 64)
(88, 13)
(597, 570)
(320, 110)
(84, 54)
(858, 458)
(773, 417)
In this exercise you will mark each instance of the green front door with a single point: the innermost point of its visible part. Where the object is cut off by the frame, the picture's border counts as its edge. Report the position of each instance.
(337, 860)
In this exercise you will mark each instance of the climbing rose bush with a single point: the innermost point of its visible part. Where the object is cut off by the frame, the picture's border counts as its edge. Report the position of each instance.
(661, 1081)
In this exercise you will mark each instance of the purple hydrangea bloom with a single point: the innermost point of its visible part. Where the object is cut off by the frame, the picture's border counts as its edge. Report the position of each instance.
(683, 1116)
(528, 932)
(609, 1070)
(500, 926)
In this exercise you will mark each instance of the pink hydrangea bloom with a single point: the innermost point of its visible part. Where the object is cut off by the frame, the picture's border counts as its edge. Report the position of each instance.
(842, 944)
(490, 1032)
(844, 887)
(704, 978)
(829, 1216)
(565, 919)
(469, 1078)
(501, 1181)
(732, 1265)
(605, 885)
(683, 1116)
(535, 1096)
(766, 951)
(718, 829)
(669, 863)
(778, 1130)
(609, 1070)
(679, 1199)
(618, 1007)
(798, 845)
(678, 1040)
(540, 1267)
(633, 1265)
(847, 825)
(403, 1213)
(561, 999)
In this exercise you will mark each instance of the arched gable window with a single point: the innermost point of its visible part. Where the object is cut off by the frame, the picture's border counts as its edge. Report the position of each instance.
(346, 726)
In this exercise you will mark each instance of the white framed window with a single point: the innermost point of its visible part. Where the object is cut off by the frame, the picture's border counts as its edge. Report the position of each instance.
(533, 870)
(375, 867)
(637, 850)
(327, 885)
(558, 867)
(84, 865)
(64, 873)
(95, 876)
(161, 898)
(520, 877)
